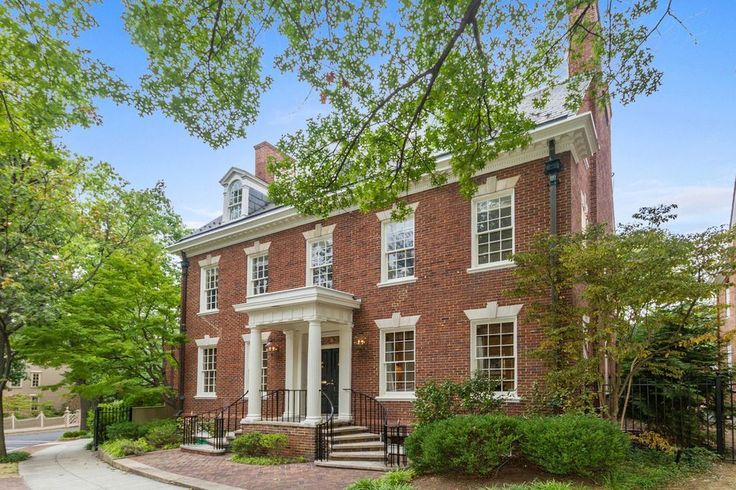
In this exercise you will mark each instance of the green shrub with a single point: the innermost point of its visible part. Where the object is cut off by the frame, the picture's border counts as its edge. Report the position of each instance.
(163, 435)
(120, 448)
(646, 469)
(74, 434)
(258, 444)
(393, 480)
(573, 444)
(438, 401)
(543, 485)
(125, 430)
(15, 457)
(472, 444)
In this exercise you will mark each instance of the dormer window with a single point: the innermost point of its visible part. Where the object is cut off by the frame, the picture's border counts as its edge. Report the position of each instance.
(235, 200)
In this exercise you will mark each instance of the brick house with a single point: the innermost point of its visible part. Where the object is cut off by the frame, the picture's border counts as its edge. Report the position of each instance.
(361, 310)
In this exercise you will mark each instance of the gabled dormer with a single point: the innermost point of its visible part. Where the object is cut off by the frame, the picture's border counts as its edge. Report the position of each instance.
(243, 194)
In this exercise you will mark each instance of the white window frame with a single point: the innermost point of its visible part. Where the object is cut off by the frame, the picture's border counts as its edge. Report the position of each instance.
(492, 313)
(206, 343)
(492, 189)
(246, 371)
(385, 219)
(206, 264)
(252, 253)
(396, 323)
(228, 199)
(727, 301)
(583, 211)
(318, 234)
(34, 383)
(729, 356)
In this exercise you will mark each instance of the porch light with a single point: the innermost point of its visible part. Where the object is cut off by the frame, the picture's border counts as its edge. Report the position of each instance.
(360, 341)
(271, 347)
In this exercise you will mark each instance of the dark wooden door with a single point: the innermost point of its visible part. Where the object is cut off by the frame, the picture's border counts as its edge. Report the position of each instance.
(330, 378)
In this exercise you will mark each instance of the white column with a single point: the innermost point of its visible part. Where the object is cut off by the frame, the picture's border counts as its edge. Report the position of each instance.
(255, 361)
(346, 355)
(314, 373)
(289, 360)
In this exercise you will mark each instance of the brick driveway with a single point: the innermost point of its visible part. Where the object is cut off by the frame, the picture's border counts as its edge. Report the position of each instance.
(219, 469)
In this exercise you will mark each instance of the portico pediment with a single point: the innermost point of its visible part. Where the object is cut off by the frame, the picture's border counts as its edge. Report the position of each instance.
(300, 305)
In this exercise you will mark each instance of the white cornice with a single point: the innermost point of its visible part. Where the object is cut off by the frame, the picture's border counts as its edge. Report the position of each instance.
(575, 134)
(257, 247)
(492, 311)
(248, 178)
(290, 297)
(397, 321)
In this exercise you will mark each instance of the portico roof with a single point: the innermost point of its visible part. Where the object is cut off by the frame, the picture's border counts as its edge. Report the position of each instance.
(300, 305)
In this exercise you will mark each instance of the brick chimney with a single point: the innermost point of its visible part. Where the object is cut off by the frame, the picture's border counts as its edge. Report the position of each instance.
(580, 56)
(264, 150)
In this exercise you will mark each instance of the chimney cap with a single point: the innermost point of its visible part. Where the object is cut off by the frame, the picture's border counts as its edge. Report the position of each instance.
(265, 143)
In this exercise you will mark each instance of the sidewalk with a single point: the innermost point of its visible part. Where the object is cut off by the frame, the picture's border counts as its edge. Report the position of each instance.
(220, 470)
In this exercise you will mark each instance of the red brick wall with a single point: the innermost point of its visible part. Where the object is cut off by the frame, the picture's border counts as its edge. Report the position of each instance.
(265, 150)
(442, 291)
(300, 437)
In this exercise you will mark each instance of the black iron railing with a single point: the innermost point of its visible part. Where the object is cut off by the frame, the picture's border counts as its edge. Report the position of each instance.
(393, 445)
(213, 427)
(368, 412)
(105, 416)
(283, 405)
(325, 432)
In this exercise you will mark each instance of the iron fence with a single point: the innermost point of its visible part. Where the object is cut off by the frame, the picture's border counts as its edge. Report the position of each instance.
(106, 416)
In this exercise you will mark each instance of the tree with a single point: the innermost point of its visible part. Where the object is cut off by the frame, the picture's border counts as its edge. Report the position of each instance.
(629, 303)
(114, 336)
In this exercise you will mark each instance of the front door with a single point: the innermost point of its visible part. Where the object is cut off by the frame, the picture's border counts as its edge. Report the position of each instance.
(330, 378)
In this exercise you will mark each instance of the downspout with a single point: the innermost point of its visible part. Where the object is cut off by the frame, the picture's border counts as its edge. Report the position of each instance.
(552, 168)
(183, 329)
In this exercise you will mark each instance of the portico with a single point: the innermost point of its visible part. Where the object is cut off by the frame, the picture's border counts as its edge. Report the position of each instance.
(305, 315)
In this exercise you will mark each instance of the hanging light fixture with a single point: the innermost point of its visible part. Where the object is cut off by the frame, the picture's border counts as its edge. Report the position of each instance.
(360, 341)
(271, 347)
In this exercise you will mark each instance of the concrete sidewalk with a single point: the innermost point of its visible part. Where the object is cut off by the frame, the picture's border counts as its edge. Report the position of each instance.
(68, 466)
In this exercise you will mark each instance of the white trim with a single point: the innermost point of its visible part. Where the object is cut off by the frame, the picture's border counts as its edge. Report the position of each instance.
(575, 134)
(385, 219)
(396, 323)
(209, 261)
(203, 269)
(511, 396)
(492, 189)
(246, 342)
(318, 234)
(492, 311)
(257, 248)
(319, 231)
(205, 343)
(243, 175)
(249, 271)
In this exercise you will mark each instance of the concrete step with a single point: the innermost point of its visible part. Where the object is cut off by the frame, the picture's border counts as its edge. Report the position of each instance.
(357, 455)
(358, 446)
(357, 437)
(353, 465)
(348, 429)
(202, 449)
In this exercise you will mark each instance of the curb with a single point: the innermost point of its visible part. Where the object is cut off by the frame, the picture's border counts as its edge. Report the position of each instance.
(142, 469)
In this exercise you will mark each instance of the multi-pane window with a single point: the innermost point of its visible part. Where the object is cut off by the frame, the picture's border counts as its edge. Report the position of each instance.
(209, 369)
(399, 361)
(494, 229)
(495, 353)
(211, 277)
(235, 200)
(399, 249)
(728, 302)
(35, 379)
(321, 262)
(34, 403)
(264, 369)
(259, 274)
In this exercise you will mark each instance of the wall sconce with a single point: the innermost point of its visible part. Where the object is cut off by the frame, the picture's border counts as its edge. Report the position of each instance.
(360, 341)
(271, 347)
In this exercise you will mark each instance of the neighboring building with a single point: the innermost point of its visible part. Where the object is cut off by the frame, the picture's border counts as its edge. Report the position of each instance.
(727, 298)
(35, 385)
(277, 300)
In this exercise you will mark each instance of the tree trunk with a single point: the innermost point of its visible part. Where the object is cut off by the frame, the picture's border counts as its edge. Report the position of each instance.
(3, 450)
(84, 406)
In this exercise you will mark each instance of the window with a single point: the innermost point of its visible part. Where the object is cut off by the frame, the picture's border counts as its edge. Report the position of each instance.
(397, 248)
(35, 380)
(493, 348)
(34, 403)
(728, 303)
(583, 211)
(492, 217)
(264, 369)
(494, 229)
(397, 368)
(207, 367)
(258, 274)
(319, 256)
(235, 200)
(320, 263)
(263, 336)
(729, 356)
(495, 353)
(209, 280)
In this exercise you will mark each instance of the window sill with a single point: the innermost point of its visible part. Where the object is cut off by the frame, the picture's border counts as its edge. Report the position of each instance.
(511, 397)
(395, 282)
(507, 264)
(208, 312)
(397, 397)
(208, 396)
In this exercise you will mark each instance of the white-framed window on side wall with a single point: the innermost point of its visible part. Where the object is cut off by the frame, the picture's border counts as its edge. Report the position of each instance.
(234, 200)
(35, 379)
(397, 357)
(397, 248)
(727, 300)
(207, 367)
(264, 361)
(209, 285)
(492, 233)
(494, 345)
(257, 268)
(319, 256)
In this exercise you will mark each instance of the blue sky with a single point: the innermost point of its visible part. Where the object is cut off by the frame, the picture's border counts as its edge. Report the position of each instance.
(669, 147)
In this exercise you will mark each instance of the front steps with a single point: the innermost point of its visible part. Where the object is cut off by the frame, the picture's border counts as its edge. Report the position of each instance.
(355, 448)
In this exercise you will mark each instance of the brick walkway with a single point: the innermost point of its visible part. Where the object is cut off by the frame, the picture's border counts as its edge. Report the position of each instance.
(219, 469)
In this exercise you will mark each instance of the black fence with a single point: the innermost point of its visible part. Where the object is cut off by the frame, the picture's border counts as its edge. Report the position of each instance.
(213, 427)
(690, 413)
(105, 416)
(283, 405)
(324, 434)
(393, 445)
